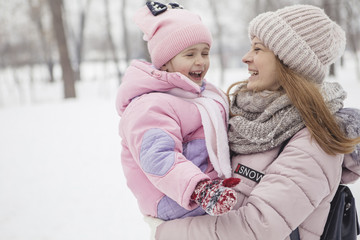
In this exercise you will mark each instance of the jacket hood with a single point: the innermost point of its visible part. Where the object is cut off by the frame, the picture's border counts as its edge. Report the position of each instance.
(142, 78)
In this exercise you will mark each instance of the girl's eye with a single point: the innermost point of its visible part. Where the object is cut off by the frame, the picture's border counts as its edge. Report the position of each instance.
(257, 49)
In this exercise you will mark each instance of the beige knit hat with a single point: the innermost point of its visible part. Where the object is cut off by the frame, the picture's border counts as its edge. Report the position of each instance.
(303, 37)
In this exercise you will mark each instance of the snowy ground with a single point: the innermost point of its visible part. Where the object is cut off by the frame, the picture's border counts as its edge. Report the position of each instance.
(60, 171)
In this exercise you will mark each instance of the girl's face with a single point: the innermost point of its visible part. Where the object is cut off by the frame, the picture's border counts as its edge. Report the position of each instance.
(262, 67)
(193, 62)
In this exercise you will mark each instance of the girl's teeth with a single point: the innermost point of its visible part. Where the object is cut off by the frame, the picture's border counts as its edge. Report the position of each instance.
(196, 73)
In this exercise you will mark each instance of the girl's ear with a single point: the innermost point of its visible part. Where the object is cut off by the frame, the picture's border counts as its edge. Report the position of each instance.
(163, 68)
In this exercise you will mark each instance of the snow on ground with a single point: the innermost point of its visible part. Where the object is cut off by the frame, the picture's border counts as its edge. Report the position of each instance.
(60, 174)
(60, 171)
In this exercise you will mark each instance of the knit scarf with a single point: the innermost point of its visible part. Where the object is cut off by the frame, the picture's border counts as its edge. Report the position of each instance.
(213, 124)
(266, 119)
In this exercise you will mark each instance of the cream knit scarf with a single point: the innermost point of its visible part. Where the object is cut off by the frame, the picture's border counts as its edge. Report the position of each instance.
(266, 119)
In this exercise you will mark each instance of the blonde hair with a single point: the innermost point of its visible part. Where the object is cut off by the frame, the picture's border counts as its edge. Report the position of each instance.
(306, 97)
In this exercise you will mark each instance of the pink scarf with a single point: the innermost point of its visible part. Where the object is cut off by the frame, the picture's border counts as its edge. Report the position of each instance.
(215, 132)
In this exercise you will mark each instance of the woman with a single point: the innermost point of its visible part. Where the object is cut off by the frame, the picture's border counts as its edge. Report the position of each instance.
(291, 140)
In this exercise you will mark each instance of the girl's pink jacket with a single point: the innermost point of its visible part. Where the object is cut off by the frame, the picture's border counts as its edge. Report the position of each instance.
(164, 154)
(276, 194)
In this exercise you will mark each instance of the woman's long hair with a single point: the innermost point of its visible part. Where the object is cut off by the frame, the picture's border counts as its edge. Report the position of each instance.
(306, 97)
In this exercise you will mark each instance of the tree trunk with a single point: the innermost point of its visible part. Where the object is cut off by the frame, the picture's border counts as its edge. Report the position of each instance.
(330, 10)
(79, 40)
(110, 40)
(353, 31)
(219, 33)
(36, 16)
(67, 71)
(126, 43)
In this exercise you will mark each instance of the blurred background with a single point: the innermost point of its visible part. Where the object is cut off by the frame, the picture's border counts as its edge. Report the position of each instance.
(48, 41)
(61, 62)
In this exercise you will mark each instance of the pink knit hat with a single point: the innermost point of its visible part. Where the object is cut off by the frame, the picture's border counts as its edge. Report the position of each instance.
(303, 37)
(170, 32)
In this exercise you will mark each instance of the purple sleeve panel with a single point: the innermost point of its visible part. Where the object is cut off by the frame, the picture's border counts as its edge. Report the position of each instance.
(196, 152)
(168, 209)
(157, 154)
(168, 169)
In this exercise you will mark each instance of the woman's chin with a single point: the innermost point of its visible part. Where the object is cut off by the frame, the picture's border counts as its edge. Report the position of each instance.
(251, 85)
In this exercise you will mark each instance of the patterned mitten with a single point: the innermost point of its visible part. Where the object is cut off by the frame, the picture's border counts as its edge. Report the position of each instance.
(216, 196)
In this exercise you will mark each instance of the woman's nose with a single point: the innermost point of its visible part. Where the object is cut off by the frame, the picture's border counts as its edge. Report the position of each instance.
(246, 58)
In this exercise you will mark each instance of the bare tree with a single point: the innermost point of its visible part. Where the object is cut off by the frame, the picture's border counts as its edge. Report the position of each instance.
(352, 9)
(145, 52)
(261, 6)
(125, 35)
(58, 25)
(331, 9)
(219, 38)
(111, 40)
(36, 13)
(78, 36)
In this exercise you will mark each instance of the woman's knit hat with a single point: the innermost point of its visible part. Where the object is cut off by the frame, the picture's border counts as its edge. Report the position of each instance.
(170, 30)
(303, 37)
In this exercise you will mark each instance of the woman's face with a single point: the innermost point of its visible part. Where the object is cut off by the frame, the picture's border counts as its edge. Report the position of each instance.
(262, 67)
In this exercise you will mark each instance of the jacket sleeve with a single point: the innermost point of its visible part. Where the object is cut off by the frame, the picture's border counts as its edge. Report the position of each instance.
(351, 167)
(349, 122)
(152, 132)
(293, 186)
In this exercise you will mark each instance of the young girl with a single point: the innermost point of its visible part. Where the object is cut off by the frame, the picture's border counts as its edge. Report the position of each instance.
(293, 143)
(173, 123)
